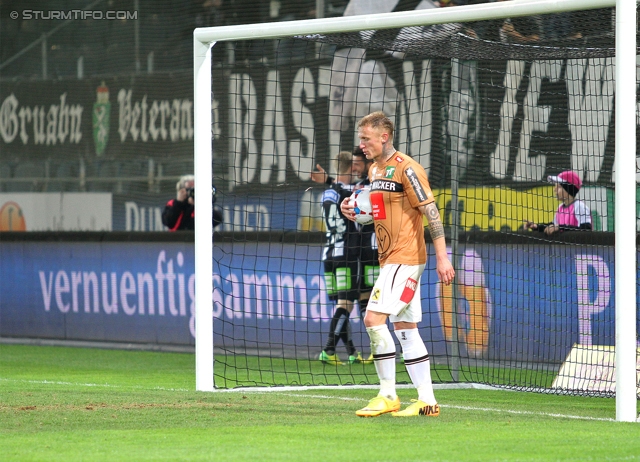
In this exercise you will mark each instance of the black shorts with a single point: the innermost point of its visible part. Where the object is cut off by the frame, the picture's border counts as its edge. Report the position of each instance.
(341, 278)
(369, 269)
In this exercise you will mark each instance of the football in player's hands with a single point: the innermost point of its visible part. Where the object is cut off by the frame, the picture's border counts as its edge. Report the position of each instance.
(362, 206)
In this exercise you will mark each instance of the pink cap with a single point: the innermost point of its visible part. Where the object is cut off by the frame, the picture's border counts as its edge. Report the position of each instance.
(567, 177)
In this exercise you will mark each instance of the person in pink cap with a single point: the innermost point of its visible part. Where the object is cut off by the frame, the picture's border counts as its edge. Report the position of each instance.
(572, 213)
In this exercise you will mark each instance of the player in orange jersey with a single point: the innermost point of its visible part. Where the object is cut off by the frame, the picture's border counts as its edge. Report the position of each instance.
(400, 196)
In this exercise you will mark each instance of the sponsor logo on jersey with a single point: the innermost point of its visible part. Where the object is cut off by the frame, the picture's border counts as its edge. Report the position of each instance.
(399, 159)
(386, 185)
(389, 172)
(409, 290)
(415, 182)
(377, 206)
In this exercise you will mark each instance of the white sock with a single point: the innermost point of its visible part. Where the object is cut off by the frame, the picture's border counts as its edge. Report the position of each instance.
(384, 357)
(416, 360)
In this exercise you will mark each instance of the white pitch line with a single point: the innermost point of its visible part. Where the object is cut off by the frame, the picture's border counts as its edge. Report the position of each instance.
(544, 414)
(472, 408)
(76, 384)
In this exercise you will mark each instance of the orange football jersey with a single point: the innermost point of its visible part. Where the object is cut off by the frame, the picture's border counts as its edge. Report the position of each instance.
(397, 189)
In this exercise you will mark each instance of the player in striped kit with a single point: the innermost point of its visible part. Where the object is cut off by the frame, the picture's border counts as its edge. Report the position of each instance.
(347, 261)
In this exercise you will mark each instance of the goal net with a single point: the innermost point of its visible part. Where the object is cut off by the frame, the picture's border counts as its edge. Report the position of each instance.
(491, 109)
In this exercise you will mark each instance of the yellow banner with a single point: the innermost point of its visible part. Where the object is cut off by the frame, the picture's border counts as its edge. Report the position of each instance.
(495, 209)
(501, 209)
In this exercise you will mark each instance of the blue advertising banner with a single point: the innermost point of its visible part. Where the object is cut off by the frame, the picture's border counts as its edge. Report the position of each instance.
(536, 303)
(107, 291)
(528, 302)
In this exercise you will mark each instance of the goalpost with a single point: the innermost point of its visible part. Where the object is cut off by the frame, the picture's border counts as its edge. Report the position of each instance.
(321, 29)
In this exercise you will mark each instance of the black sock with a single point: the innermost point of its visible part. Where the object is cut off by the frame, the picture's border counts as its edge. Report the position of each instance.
(347, 337)
(339, 317)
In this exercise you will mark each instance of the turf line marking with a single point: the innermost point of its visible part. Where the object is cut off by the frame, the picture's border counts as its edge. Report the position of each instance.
(54, 382)
(76, 384)
(471, 408)
(544, 414)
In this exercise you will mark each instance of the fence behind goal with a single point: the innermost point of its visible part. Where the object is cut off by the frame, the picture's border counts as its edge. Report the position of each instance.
(489, 114)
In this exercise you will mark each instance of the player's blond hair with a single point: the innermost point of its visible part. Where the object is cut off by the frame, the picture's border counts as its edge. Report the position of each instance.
(379, 121)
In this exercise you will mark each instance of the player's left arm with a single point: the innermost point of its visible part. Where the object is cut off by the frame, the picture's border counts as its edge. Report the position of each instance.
(444, 268)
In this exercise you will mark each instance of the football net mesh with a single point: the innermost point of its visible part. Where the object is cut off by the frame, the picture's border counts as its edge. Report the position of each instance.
(490, 109)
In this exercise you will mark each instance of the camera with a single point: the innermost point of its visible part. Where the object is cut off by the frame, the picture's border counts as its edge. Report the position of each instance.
(191, 192)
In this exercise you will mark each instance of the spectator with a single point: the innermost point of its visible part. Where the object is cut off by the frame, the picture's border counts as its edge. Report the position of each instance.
(572, 213)
(559, 26)
(524, 29)
(179, 213)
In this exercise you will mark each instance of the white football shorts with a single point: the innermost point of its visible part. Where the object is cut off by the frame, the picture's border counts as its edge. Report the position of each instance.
(397, 293)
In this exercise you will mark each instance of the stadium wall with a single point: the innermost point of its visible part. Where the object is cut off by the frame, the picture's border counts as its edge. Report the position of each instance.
(481, 209)
(543, 295)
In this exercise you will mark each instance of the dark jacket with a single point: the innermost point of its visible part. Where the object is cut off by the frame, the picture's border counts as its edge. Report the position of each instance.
(179, 215)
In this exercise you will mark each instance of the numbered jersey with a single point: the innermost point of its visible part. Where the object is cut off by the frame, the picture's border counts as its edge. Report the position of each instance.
(398, 188)
(364, 241)
(338, 227)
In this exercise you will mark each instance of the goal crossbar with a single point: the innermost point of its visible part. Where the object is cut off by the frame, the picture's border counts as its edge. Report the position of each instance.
(465, 13)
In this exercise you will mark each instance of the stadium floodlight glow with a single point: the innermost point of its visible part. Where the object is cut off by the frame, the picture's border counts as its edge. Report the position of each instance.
(625, 65)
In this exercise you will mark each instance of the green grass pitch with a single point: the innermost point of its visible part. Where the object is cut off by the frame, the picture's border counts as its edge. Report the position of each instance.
(72, 404)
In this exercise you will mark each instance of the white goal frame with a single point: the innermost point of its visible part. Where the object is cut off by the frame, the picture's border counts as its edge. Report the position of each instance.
(625, 179)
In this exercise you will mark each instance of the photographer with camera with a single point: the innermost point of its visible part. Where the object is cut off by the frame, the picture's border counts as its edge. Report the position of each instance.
(179, 213)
